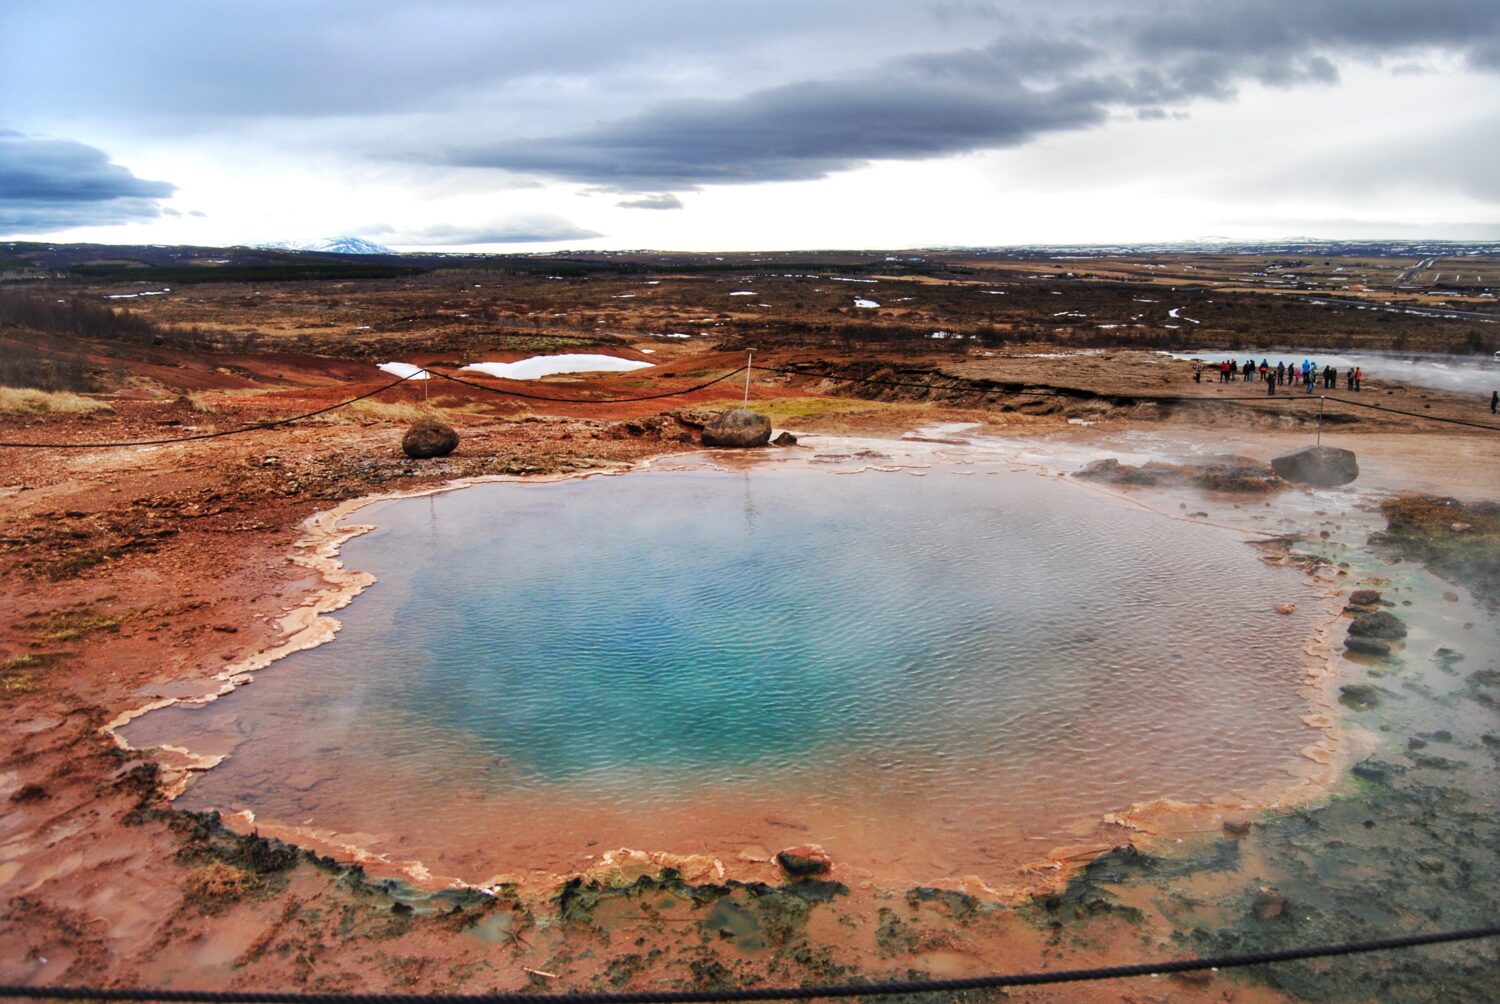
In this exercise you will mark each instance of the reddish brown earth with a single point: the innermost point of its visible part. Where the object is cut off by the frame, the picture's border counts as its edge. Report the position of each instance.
(131, 572)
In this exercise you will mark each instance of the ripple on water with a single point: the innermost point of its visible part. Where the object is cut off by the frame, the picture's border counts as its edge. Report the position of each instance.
(930, 676)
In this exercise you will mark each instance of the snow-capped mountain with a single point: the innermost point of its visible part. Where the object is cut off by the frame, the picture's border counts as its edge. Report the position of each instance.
(331, 245)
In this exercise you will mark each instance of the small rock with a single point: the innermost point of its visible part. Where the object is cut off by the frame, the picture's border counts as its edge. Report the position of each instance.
(1450, 597)
(1286, 608)
(1431, 865)
(29, 793)
(1461, 527)
(1373, 770)
(805, 859)
(1359, 696)
(1367, 646)
(429, 438)
(1269, 903)
(1379, 624)
(1237, 827)
(784, 439)
(1364, 597)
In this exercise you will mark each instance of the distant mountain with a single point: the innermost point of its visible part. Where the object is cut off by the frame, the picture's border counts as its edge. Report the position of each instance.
(331, 245)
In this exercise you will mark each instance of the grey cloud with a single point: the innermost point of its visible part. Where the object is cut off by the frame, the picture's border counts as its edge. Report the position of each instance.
(52, 184)
(1065, 70)
(522, 228)
(583, 92)
(795, 132)
(59, 170)
(661, 200)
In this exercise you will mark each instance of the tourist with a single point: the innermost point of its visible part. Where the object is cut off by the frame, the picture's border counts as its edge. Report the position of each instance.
(1223, 371)
(1197, 371)
(1271, 385)
(1494, 401)
(1249, 370)
(1281, 372)
(1349, 378)
(1358, 376)
(1265, 368)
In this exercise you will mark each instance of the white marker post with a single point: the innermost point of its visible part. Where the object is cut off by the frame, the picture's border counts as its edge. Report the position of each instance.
(749, 359)
(1320, 419)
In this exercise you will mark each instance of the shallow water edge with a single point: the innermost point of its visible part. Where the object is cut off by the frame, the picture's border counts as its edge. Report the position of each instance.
(309, 625)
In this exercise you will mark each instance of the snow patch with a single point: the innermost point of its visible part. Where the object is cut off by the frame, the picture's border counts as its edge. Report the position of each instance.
(540, 366)
(405, 370)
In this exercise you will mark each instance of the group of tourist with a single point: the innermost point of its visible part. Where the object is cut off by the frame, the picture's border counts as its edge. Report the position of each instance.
(1308, 374)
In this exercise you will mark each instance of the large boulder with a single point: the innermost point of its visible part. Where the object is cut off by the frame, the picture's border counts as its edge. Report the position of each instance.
(429, 438)
(1325, 466)
(738, 427)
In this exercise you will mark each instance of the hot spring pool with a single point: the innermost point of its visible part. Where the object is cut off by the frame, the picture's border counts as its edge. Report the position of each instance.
(931, 676)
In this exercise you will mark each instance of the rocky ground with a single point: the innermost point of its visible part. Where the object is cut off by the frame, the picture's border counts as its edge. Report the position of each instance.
(136, 570)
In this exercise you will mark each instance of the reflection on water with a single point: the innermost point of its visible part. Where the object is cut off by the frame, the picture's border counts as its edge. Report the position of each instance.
(930, 675)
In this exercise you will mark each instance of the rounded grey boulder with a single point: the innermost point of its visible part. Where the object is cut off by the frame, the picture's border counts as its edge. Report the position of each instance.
(738, 427)
(1379, 624)
(1325, 466)
(429, 438)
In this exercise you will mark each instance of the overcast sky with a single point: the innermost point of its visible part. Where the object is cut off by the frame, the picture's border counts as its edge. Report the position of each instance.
(754, 125)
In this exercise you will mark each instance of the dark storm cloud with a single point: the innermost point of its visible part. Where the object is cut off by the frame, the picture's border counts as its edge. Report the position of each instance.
(1072, 68)
(661, 200)
(49, 184)
(796, 132)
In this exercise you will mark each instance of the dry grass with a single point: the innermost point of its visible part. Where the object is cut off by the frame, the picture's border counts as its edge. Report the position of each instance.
(17, 683)
(27, 401)
(75, 624)
(398, 412)
(361, 412)
(212, 402)
(213, 886)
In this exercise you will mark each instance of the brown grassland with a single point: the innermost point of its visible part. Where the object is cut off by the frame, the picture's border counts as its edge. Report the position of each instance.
(127, 573)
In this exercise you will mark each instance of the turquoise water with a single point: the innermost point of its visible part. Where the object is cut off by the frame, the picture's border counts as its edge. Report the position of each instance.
(681, 656)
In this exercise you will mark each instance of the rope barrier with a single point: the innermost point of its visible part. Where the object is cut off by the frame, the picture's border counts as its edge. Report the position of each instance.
(353, 400)
(212, 435)
(1289, 398)
(585, 400)
(1233, 961)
